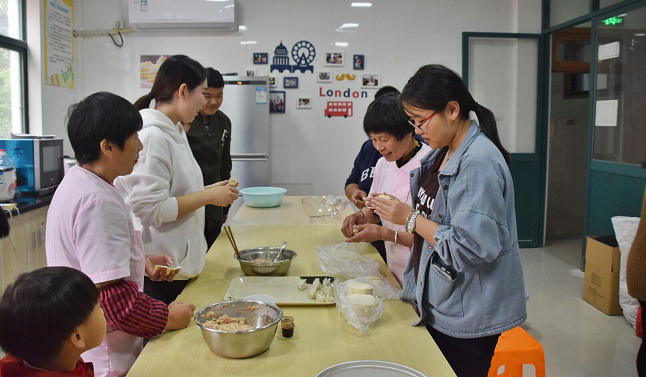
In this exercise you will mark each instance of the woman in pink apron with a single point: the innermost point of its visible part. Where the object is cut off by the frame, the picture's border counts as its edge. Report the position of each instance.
(387, 126)
(89, 228)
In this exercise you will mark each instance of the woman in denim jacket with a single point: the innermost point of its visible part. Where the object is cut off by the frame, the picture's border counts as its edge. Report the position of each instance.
(464, 273)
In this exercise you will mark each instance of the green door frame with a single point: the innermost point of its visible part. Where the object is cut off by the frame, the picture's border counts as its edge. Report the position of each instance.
(607, 168)
(538, 158)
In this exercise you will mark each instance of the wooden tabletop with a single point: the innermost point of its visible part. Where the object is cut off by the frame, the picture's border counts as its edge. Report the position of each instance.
(322, 337)
(290, 212)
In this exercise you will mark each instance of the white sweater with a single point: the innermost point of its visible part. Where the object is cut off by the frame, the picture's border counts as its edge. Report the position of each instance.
(166, 169)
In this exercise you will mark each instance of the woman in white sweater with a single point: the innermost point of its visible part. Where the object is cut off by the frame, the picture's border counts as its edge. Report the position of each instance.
(165, 191)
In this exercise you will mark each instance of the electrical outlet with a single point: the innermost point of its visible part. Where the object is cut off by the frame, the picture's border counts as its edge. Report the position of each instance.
(119, 24)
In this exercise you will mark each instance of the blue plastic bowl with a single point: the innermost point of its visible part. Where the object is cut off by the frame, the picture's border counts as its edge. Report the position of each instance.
(263, 197)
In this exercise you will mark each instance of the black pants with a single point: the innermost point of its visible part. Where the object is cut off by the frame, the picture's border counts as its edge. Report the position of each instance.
(467, 357)
(381, 248)
(641, 355)
(164, 291)
(211, 233)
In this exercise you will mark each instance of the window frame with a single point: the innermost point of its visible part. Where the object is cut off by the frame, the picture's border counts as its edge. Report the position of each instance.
(20, 46)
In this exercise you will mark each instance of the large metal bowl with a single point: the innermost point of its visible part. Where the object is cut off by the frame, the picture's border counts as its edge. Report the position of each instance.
(240, 344)
(278, 268)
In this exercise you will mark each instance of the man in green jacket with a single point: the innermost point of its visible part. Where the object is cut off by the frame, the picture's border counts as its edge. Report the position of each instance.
(209, 136)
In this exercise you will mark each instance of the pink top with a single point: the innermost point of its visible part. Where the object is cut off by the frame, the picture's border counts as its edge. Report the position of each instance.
(395, 181)
(89, 228)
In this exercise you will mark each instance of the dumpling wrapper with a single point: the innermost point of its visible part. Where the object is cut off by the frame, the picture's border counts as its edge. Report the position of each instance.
(316, 284)
(233, 182)
(320, 297)
(312, 293)
(167, 270)
(302, 285)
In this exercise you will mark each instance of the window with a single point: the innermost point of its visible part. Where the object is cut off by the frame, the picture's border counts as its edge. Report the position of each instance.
(13, 52)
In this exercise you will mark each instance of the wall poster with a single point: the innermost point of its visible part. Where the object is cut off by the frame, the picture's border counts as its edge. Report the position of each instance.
(59, 46)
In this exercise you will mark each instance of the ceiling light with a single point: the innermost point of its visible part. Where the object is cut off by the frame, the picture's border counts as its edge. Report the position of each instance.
(346, 26)
(362, 5)
(640, 35)
(242, 28)
(341, 44)
(248, 43)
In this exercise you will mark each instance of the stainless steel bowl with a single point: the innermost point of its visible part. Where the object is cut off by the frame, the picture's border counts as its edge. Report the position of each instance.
(240, 344)
(278, 268)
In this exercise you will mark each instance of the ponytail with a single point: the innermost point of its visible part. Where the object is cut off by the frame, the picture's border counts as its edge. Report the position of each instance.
(144, 102)
(433, 86)
(487, 123)
(174, 71)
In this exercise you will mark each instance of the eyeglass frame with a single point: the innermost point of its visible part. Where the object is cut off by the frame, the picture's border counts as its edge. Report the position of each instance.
(412, 122)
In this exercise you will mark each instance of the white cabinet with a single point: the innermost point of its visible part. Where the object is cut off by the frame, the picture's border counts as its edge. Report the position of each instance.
(24, 249)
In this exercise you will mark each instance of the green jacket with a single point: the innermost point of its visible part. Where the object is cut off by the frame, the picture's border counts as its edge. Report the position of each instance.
(211, 147)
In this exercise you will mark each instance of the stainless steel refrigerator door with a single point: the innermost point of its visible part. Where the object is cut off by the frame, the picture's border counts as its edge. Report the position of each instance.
(251, 170)
(249, 120)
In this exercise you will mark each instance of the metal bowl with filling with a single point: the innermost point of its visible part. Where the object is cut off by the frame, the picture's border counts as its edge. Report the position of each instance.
(259, 261)
(261, 317)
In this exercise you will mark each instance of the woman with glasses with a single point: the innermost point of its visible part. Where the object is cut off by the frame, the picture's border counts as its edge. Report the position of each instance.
(394, 138)
(464, 273)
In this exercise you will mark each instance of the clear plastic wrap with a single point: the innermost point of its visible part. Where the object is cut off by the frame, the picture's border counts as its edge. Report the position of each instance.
(345, 261)
(361, 317)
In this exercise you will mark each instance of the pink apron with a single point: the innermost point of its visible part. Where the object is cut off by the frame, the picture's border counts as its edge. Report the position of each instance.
(119, 350)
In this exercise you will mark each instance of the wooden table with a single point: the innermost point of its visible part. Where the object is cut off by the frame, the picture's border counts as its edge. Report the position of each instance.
(289, 213)
(322, 337)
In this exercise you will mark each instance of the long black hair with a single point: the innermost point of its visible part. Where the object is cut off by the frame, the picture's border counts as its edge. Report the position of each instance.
(41, 309)
(175, 71)
(433, 86)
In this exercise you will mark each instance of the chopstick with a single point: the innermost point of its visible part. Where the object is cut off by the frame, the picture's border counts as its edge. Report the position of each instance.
(227, 230)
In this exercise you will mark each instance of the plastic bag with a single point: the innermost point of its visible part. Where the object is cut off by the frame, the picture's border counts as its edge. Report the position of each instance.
(625, 231)
(345, 261)
(361, 318)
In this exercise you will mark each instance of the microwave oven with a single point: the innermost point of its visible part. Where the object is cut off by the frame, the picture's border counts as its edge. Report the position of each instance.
(38, 162)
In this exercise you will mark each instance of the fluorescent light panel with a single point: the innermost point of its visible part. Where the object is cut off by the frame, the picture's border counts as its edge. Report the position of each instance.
(341, 44)
(362, 5)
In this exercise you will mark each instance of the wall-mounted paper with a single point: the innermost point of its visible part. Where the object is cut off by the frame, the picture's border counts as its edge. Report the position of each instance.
(606, 113)
(59, 47)
(609, 51)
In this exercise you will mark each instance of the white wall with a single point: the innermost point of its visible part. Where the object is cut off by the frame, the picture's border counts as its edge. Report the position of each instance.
(310, 154)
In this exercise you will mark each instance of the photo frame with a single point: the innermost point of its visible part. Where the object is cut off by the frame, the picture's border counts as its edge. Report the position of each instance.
(370, 80)
(358, 62)
(260, 58)
(277, 101)
(251, 72)
(334, 59)
(304, 103)
(323, 76)
(272, 81)
(290, 82)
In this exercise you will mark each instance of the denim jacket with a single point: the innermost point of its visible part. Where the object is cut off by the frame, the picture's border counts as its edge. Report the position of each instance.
(480, 290)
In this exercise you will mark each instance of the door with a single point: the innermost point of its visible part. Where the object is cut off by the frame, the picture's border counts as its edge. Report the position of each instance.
(502, 72)
(617, 112)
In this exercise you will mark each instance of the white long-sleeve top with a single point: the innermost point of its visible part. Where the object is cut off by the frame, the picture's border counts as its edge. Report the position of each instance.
(166, 169)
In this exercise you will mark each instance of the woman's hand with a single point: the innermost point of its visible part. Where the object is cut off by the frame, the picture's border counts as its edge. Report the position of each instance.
(161, 274)
(349, 222)
(219, 184)
(367, 233)
(220, 194)
(392, 209)
(357, 198)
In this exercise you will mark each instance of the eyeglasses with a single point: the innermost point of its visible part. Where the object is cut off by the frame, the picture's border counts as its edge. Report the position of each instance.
(411, 121)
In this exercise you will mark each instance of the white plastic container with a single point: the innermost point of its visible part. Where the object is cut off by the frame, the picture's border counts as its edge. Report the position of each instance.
(7, 177)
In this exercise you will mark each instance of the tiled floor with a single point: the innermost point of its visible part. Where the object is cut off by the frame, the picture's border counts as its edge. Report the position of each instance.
(578, 339)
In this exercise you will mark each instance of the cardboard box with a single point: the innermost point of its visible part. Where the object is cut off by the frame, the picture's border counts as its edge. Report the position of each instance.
(601, 283)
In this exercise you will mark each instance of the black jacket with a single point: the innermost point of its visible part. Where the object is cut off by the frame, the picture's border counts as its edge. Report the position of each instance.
(211, 148)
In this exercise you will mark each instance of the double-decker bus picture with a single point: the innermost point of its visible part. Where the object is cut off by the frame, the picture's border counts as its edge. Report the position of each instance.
(339, 109)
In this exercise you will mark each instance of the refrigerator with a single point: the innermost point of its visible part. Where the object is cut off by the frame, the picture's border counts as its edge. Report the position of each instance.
(246, 103)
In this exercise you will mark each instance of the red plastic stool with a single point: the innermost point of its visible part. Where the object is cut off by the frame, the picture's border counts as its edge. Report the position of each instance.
(515, 348)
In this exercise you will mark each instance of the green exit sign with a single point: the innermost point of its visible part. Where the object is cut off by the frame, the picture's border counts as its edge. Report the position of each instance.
(613, 21)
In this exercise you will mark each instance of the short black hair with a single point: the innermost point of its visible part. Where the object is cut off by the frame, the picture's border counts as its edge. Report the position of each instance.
(385, 114)
(386, 90)
(214, 78)
(100, 116)
(41, 309)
